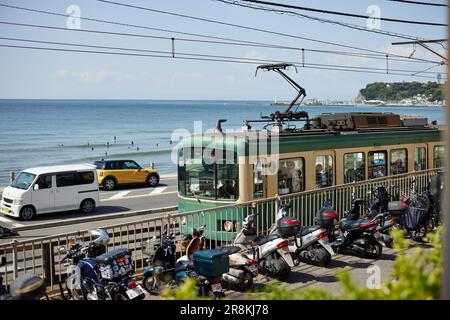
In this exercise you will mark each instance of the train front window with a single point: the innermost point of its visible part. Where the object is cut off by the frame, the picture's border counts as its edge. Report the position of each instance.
(377, 164)
(290, 176)
(438, 156)
(324, 171)
(399, 161)
(206, 178)
(227, 184)
(420, 159)
(354, 167)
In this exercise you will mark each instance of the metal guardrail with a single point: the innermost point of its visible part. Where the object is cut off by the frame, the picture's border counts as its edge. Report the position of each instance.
(42, 257)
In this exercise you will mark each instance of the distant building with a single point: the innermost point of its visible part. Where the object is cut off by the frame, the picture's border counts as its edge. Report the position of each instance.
(359, 99)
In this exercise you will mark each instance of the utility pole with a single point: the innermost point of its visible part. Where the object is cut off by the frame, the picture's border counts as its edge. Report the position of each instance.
(446, 205)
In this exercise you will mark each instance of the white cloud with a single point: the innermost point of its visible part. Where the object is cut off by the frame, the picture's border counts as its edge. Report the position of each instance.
(94, 76)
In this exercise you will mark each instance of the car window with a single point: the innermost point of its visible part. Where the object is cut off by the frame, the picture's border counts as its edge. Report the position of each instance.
(130, 165)
(44, 181)
(99, 164)
(66, 179)
(86, 177)
(113, 165)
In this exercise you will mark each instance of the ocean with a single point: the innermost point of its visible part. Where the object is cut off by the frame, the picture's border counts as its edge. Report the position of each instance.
(50, 132)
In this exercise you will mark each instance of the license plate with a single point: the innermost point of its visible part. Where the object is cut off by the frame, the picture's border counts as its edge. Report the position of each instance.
(134, 293)
(217, 287)
(253, 269)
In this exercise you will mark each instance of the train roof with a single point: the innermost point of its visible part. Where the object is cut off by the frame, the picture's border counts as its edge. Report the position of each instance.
(327, 131)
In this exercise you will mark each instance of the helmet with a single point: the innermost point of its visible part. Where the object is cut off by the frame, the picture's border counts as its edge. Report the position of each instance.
(99, 236)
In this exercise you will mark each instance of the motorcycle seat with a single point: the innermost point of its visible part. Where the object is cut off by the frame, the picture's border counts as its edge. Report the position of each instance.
(346, 224)
(306, 230)
(184, 265)
(229, 249)
(264, 239)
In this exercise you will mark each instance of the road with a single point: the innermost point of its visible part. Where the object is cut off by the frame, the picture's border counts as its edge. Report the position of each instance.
(113, 204)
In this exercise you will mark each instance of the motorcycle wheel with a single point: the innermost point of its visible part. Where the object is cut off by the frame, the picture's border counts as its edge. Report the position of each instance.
(148, 282)
(373, 251)
(247, 282)
(283, 269)
(120, 296)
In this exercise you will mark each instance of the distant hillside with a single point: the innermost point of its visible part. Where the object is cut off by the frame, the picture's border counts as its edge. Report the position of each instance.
(398, 91)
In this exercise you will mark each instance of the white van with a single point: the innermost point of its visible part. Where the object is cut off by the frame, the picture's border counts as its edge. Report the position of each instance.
(51, 189)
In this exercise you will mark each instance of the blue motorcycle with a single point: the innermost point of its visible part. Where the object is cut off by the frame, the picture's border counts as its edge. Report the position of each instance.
(93, 274)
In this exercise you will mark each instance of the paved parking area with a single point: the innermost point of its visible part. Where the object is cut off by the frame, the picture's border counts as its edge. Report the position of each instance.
(305, 275)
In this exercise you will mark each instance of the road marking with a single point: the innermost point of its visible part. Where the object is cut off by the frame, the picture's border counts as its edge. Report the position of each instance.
(120, 194)
(140, 196)
(11, 222)
(157, 190)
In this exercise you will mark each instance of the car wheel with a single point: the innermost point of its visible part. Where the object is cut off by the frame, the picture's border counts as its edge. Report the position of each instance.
(87, 206)
(27, 213)
(152, 180)
(109, 184)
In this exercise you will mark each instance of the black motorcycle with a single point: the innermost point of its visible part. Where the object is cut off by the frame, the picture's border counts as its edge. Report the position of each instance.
(388, 213)
(357, 236)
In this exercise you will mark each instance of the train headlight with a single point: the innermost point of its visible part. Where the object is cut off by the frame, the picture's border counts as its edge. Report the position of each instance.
(228, 226)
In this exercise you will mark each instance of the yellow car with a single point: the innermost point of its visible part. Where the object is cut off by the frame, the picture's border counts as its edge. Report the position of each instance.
(112, 173)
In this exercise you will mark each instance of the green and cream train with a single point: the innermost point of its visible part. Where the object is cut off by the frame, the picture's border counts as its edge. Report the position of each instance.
(331, 149)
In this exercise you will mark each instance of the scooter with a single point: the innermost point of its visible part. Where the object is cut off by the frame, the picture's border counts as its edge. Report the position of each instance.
(388, 213)
(310, 244)
(358, 236)
(271, 251)
(207, 285)
(242, 268)
(161, 269)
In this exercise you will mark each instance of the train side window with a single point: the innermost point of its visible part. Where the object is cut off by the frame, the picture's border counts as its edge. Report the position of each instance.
(290, 176)
(438, 156)
(399, 161)
(420, 158)
(377, 164)
(324, 171)
(258, 180)
(354, 167)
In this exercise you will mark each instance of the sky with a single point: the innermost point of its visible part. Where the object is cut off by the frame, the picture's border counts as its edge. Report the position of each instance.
(37, 74)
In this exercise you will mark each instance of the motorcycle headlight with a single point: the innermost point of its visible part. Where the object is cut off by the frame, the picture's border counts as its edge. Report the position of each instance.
(18, 202)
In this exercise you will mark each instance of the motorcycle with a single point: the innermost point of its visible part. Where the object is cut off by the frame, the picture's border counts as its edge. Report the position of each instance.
(242, 268)
(388, 213)
(161, 269)
(310, 244)
(357, 236)
(271, 252)
(96, 275)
